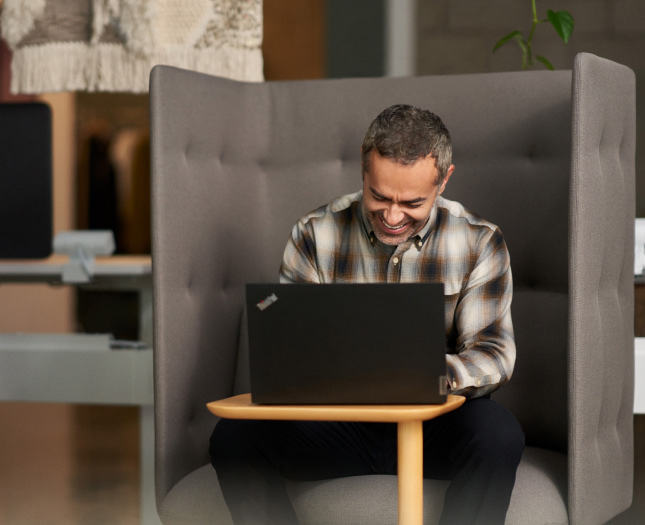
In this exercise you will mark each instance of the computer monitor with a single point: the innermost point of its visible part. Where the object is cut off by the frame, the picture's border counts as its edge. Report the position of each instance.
(25, 181)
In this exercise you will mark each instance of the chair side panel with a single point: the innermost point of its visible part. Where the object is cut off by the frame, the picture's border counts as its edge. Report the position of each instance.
(601, 354)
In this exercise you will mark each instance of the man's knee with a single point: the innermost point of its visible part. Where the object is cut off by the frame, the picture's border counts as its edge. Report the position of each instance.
(505, 441)
(496, 433)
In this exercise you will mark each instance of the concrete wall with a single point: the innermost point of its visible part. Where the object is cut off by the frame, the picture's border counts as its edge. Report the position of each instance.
(457, 36)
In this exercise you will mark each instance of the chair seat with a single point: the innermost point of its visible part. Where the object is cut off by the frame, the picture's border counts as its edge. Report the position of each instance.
(539, 497)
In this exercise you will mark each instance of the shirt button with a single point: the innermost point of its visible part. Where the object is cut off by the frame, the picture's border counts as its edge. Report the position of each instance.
(395, 260)
(419, 244)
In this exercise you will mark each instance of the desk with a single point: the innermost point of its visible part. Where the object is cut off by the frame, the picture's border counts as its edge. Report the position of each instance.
(70, 371)
(125, 273)
(409, 419)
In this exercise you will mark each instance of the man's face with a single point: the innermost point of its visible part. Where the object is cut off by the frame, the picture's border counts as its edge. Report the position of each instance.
(398, 199)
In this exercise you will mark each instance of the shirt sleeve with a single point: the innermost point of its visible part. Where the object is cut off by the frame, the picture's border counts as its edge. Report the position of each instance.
(299, 263)
(485, 349)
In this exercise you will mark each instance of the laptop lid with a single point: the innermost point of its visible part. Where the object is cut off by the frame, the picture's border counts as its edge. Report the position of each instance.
(347, 343)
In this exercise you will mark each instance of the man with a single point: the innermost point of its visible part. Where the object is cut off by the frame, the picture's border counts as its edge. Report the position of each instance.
(397, 229)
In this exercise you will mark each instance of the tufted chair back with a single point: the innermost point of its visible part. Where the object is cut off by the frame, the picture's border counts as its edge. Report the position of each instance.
(548, 156)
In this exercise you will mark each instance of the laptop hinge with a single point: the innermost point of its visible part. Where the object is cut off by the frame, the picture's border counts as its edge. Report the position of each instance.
(443, 385)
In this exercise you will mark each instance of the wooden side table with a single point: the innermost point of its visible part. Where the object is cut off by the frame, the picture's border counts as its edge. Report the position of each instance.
(409, 419)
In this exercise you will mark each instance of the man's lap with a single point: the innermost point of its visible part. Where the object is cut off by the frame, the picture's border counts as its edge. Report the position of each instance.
(305, 450)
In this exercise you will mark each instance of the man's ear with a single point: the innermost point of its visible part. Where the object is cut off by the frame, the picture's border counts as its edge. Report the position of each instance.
(445, 180)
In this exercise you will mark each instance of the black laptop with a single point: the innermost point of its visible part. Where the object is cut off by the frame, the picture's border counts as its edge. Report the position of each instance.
(347, 343)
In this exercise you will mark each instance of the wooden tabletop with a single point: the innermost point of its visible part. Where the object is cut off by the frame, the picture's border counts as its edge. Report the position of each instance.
(241, 407)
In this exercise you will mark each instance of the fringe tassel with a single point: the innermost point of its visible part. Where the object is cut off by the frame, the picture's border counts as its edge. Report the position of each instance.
(109, 67)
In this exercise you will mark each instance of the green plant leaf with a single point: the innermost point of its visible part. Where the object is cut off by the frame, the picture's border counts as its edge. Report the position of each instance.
(510, 36)
(563, 23)
(522, 44)
(545, 62)
(526, 60)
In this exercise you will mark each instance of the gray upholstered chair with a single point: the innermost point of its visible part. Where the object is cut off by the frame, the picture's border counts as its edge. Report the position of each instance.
(548, 156)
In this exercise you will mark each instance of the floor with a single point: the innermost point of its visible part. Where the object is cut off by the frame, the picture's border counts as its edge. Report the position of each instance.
(71, 465)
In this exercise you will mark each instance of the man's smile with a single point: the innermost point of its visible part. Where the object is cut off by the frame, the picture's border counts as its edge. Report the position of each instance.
(396, 228)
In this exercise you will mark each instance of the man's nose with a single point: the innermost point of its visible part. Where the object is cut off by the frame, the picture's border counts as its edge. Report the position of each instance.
(393, 215)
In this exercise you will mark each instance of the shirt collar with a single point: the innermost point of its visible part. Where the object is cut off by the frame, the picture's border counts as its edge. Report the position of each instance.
(419, 239)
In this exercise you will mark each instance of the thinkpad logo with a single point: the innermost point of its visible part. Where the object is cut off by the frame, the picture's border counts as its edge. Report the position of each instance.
(268, 301)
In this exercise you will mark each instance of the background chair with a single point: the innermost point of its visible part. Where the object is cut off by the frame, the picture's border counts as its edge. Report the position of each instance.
(548, 156)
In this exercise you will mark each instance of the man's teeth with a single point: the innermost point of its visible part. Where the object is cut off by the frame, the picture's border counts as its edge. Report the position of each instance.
(394, 227)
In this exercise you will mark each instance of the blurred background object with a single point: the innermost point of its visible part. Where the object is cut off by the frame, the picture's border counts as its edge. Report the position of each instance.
(102, 45)
(26, 168)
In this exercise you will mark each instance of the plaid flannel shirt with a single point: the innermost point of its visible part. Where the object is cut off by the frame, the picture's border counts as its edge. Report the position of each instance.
(336, 244)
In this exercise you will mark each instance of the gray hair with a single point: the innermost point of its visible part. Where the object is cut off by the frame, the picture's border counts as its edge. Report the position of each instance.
(405, 134)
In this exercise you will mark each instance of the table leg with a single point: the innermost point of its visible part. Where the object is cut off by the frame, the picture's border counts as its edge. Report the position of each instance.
(410, 451)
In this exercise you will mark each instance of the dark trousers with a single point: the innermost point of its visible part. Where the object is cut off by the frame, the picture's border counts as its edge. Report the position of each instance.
(478, 447)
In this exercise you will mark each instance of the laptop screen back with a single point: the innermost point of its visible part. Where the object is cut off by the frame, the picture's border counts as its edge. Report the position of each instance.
(347, 343)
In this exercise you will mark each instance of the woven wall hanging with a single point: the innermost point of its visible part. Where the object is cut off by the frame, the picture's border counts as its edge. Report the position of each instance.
(111, 45)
